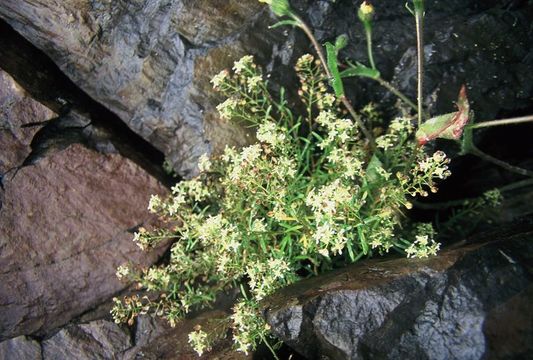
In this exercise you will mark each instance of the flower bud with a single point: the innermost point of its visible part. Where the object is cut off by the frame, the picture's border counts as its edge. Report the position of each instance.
(279, 7)
(366, 12)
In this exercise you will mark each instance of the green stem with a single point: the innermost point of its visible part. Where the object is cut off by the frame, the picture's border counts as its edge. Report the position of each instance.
(419, 18)
(324, 63)
(368, 31)
(265, 341)
(396, 92)
(511, 121)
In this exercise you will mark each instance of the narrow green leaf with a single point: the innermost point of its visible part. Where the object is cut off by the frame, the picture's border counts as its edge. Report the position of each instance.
(372, 174)
(341, 42)
(284, 23)
(351, 254)
(336, 81)
(360, 70)
(362, 239)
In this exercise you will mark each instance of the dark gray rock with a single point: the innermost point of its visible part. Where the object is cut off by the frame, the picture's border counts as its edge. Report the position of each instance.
(99, 339)
(20, 348)
(150, 61)
(463, 304)
(131, 57)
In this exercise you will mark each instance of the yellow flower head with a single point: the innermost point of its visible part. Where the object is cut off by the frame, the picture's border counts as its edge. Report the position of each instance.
(366, 8)
(365, 12)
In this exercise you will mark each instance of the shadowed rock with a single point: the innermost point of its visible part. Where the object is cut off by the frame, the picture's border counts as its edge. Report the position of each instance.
(150, 61)
(447, 307)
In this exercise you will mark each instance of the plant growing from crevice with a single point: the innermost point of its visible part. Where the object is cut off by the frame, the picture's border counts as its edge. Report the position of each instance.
(317, 191)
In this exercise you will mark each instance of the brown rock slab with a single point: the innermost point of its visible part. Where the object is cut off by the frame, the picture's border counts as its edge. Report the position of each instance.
(155, 339)
(20, 118)
(66, 224)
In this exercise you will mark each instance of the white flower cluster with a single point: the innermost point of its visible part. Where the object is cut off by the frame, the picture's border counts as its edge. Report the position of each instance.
(247, 325)
(325, 201)
(398, 129)
(270, 133)
(338, 130)
(436, 165)
(219, 79)
(204, 163)
(265, 278)
(227, 108)
(350, 166)
(218, 232)
(122, 271)
(243, 63)
(423, 247)
(199, 341)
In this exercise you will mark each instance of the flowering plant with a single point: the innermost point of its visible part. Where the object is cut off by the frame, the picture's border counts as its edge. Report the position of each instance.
(308, 196)
(316, 191)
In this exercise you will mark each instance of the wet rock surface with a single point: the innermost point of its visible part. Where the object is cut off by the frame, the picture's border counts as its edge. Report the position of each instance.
(450, 306)
(99, 339)
(67, 223)
(150, 61)
(21, 117)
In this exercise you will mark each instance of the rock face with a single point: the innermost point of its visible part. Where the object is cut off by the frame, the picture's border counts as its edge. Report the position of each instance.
(66, 225)
(466, 303)
(20, 119)
(99, 339)
(150, 61)
(20, 348)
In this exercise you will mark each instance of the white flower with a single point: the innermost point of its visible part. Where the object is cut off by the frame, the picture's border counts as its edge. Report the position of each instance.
(253, 81)
(250, 153)
(219, 78)
(227, 108)
(122, 271)
(198, 340)
(270, 133)
(259, 225)
(243, 63)
(204, 164)
(154, 204)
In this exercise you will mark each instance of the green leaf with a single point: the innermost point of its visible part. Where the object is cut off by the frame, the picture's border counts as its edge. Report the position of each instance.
(280, 7)
(284, 23)
(372, 174)
(360, 70)
(447, 126)
(362, 239)
(336, 81)
(467, 142)
(341, 42)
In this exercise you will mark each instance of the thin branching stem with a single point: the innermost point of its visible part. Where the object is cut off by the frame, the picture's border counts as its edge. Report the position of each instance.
(419, 19)
(396, 92)
(511, 121)
(517, 170)
(324, 63)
